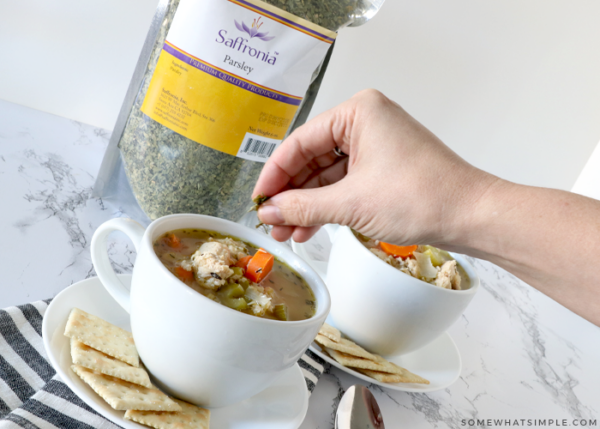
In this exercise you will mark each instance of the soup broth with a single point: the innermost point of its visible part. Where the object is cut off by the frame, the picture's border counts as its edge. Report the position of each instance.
(234, 273)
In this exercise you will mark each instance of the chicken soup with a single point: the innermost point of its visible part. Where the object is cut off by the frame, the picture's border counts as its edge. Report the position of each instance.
(236, 274)
(427, 263)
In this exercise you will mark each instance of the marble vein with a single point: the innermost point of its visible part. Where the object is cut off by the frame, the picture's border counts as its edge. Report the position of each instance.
(515, 297)
(60, 197)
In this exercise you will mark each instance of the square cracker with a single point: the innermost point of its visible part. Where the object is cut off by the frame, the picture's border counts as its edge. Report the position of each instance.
(410, 377)
(381, 365)
(345, 346)
(122, 395)
(100, 362)
(384, 377)
(330, 332)
(376, 364)
(191, 417)
(101, 335)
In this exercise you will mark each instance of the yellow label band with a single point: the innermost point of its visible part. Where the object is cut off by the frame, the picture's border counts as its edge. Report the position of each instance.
(213, 107)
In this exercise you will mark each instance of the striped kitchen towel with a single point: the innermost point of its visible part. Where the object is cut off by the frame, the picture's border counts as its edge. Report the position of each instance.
(33, 396)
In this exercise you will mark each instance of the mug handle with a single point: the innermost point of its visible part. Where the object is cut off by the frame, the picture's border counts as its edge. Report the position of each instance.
(319, 266)
(102, 264)
(331, 229)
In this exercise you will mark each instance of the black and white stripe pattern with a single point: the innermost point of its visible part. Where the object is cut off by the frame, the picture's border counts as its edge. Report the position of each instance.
(33, 397)
(312, 368)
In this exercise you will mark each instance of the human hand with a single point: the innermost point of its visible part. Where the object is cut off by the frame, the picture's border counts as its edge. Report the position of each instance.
(399, 184)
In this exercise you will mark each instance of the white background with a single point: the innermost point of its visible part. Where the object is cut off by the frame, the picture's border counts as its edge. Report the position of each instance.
(513, 86)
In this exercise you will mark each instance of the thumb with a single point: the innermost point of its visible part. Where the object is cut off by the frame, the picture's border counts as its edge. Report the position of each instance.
(306, 207)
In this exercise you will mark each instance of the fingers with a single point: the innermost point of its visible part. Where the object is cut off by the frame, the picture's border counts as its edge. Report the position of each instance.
(302, 234)
(298, 233)
(313, 141)
(311, 145)
(316, 164)
(306, 207)
(282, 232)
(327, 176)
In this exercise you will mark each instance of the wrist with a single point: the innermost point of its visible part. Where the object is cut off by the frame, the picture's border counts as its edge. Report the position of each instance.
(483, 198)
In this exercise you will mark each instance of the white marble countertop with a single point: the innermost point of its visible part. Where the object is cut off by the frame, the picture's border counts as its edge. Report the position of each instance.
(524, 356)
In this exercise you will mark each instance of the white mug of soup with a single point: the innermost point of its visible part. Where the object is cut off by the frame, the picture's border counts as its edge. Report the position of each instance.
(213, 337)
(383, 309)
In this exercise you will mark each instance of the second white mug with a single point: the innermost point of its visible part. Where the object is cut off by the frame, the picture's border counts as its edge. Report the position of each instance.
(381, 308)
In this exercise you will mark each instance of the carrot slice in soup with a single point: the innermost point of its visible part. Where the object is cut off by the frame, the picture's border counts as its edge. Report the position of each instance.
(397, 251)
(259, 266)
(173, 241)
(184, 274)
(243, 262)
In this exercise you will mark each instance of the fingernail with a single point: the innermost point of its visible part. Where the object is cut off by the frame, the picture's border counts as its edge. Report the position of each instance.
(270, 214)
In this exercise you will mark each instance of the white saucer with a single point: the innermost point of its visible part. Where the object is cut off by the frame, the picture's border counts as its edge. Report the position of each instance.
(283, 405)
(439, 362)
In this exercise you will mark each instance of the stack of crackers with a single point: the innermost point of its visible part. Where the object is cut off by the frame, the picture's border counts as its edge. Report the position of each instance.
(353, 356)
(105, 358)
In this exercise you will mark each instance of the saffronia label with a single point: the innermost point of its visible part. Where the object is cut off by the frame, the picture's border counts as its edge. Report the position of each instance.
(232, 74)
